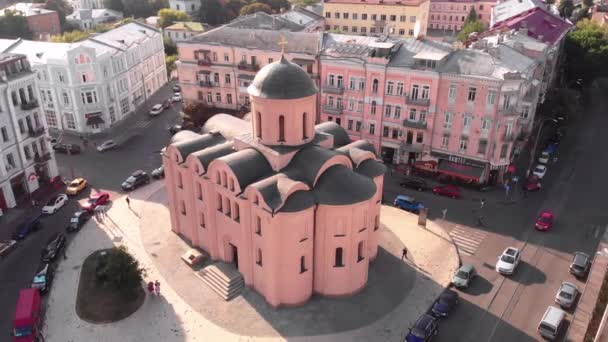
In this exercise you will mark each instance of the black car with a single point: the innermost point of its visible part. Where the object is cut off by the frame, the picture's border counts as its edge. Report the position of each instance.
(67, 148)
(159, 172)
(54, 245)
(43, 277)
(78, 220)
(445, 303)
(424, 329)
(136, 179)
(174, 129)
(414, 183)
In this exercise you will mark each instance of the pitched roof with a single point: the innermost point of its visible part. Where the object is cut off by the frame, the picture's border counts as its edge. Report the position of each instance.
(248, 166)
(340, 136)
(187, 26)
(511, 8)
(261, 20)
(494, 65)
(540, 24)
(411, 48)
(339, 185)
(27, 8)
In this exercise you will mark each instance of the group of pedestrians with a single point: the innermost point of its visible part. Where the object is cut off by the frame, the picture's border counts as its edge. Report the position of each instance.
(154, 288)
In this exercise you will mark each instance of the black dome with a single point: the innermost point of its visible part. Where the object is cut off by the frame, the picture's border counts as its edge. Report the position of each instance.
(282, 80)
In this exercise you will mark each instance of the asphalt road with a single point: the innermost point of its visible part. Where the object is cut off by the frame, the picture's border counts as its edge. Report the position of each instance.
(104, 171)
(499, 308)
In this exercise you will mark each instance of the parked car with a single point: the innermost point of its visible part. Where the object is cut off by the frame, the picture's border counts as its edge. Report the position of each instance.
(158, 173)
(177, 97)
(76, 186)
(540, 171)
(174, 129)
(551, 323)
(78, 220)
(544, 157)
(447, 190)
(156, 109)
(414, 183)
(544, 220)
(425, 328)
(43, 277)
(54, 204)
(54, 245)
(6, 246)
(107, 145)
(508, 261)
(177, 88)
(464, 276)
(532, 183)
(166, 104)
(27, 227)
(136, 179)
(408, 203)
(566, 295)
(445, 303)
(96, 199)
(28, 317)
(581, 263)
(67, 148)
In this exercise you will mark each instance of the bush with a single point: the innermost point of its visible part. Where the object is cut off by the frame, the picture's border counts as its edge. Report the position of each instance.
(119, 270)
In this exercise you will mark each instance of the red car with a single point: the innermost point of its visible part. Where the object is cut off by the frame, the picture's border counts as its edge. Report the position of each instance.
(544, 220)
(447, 190)
(95, 200)
(532, 183)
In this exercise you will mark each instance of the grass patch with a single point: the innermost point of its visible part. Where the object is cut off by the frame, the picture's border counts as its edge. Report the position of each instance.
(598, 311)
(96, 303)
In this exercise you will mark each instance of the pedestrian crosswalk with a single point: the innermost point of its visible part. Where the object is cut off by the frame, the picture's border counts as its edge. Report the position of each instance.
(141, 124)
(467, 240)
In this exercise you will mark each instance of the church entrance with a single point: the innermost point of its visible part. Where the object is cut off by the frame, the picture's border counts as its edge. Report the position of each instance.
(235, 255)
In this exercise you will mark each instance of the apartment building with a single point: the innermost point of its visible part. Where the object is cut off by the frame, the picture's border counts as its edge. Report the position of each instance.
(184, 29)
(26, 157)
(451, 15)
(189, 6)
(216, 67)
(89, 86)
(406, 18)
(40, 21)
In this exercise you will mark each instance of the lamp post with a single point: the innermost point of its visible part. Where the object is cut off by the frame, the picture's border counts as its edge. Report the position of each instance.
(533, 152)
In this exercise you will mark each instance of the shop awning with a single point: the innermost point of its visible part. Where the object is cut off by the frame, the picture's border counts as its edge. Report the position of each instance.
(459, 170)
(95, 120)
(246, 77)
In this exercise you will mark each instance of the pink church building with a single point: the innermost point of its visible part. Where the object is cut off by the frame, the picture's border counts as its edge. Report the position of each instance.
(294, 206)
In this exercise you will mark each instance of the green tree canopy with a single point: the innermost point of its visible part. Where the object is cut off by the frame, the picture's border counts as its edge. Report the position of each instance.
(588, 3)
(470, 27)
(472, 16)
(256, 7)
(214, 13)
(304, 3)
(14, 25)
(276, 5)
(587, 51)
(170, 64)
(114, 5)
(235, 6)
(121, 270)
(61, 7)
(71, 36)
(170, 46)
(168, 17)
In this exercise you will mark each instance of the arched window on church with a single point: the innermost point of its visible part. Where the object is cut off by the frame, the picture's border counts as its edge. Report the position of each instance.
(304, 126)
(281, 128)
(258, 125)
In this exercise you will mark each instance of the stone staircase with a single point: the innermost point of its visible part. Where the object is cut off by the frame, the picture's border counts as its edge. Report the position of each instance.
(222, 278)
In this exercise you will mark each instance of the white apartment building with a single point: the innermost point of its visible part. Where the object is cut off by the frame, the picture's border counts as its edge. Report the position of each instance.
(89, 86)
(189, 6)
(26, 157)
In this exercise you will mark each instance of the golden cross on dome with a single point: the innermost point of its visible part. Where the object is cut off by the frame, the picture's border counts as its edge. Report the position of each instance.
(282, 44)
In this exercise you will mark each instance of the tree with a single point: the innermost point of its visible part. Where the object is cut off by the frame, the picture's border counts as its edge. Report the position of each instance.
(138, 8)
(587, 51)
(170, 47)
(565, 8)
(214, 13)
(305, 3)
(116, 5)
(470, 27)
(276, 5)
(235, 6)
(170, 64)
(197, 113)
(61, 7)
(472, 16)
(121, 270)
(256, 7)
(588, 3)
(71, 36)
(14, 25)
(168, 17)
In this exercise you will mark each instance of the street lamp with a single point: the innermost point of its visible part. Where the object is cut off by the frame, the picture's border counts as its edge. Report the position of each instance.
(533, 152)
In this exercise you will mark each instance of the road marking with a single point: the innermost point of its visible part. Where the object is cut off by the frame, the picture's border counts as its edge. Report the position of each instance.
(467, 241)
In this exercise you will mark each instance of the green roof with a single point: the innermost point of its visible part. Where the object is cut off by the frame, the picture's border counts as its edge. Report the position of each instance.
(187, 25)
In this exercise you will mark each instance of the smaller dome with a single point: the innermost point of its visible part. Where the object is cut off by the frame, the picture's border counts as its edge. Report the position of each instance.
(282, 80)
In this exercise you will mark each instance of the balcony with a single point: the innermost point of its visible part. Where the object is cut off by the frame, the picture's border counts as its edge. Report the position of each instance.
(208, 84)
(204, 62)
(418, 101)
(34, 133)
(42, 158)
(337, 110)
(29, 105)
(333, 89)
(248, 67)
(414, 124)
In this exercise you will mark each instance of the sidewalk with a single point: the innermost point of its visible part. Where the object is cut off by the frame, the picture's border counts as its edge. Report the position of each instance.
(144, 229)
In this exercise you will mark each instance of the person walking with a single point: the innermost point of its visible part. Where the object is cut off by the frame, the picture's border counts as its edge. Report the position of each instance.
(151, 288)
(128, 202)
(404, 253)
(482, 203)
(444, 212)
(157, 288)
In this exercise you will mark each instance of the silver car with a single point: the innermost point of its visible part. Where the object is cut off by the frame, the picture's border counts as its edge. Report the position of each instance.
(464, 276)
(566, 295)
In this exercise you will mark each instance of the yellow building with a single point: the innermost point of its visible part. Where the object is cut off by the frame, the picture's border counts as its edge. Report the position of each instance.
(407, 18)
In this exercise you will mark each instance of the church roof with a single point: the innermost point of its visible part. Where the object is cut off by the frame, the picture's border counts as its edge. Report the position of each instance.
(340, 136)
(282, 80)
(187, 142)
(338, 185)
(248, 166)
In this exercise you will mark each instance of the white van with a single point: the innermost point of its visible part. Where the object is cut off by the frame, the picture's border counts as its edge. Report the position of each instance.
(552, 321)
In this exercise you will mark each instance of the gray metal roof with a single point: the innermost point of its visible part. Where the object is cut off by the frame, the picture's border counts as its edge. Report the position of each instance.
(227, 125)
(305, 165)
(371, 168)
(360, 144)
(261, 20)
(188, 143)
(298, 201)
(248, 166)
(339, 185)
(297, 42)
(411, 47)
(282, 80)
(338, 132)
(207, 155)
(484, 64)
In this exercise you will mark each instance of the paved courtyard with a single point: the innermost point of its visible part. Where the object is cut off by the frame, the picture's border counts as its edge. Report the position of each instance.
(396, 294)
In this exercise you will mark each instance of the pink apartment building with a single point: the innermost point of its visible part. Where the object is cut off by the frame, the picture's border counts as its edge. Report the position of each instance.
(216, 67)
(294, 206)
(450, 15)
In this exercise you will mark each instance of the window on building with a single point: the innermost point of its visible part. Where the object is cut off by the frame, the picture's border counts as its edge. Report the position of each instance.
(503, 151)
(345, 15)
(525, 112)
(363, 30)
(393, 18)
(199, 191)
(4, 134)
(464, 142)
(355, 16)
(303, 260)
(445, 141)
(374, 17)
(363, 16)
(327, 14)
(229, 98)
(419, 137)
(10, 160)
(472, 94)
(89, 97)
(389, 87)
(220, 203)
(180, 181)
(227, 78)
(491, 97)
(258, 257)
(383, 17)
(51, 118)
(397, 114)
(69, 120)
(227, 206)
(358, 126)
(481, 148)
(339, 257)
(426, 90)
(350, 125)
(372, 108)
(258, 225)
(485, 125)
(345, 29)
(412, 116)
(182, 206)
(415, 92)
(387, 110)
(375, 85)
(218, 97)
(506, 101)
(422, 116)
(209, 97)
(466, 123)
(360, 251)
(372, 30)
(448, 120)
(351, 104)
(226, 58)
(372, 129)
(385, 131)
(236, 212)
